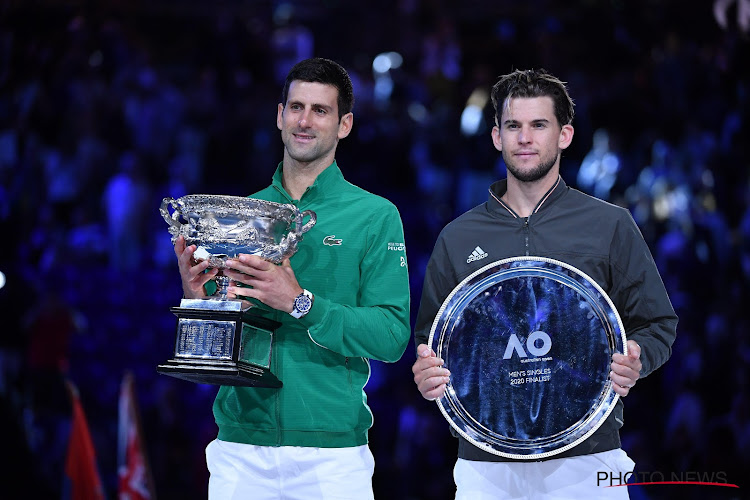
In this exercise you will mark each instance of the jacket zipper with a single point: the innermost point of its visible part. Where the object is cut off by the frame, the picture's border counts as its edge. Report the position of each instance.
(526, 234)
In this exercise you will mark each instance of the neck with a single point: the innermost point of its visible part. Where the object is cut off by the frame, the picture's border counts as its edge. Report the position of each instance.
(523, 197)
(297, 177)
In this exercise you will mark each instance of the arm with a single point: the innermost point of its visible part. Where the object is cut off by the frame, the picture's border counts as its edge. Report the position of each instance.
(376, 326)
(439, 281)
(646, 311)
(429, 375)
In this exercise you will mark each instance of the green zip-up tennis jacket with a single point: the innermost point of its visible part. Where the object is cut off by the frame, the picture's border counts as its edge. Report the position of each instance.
(353, 260)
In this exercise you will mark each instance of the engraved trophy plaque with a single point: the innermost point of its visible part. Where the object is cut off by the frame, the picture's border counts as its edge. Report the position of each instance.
(528, 342)
(217, 342)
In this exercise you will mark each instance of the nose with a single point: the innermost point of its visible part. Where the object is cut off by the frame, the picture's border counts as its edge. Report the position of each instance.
(304, 118)
(524, 135)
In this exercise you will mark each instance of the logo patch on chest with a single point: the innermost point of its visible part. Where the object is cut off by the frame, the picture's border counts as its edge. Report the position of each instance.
(331, 240)
(476, 254)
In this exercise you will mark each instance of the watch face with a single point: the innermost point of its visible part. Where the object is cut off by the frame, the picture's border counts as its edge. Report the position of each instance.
(302, 303)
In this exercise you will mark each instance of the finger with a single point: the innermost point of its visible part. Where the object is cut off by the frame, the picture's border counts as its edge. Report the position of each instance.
(622, 380)
(434, 393)
(434, 386)
(628, 361)
(237, 265)
(627, 366)
(195, 273)
(179, 246)
(185, 258)
(255, 262)
(433, 381)
(422, 367)
(200, 276)
(625, 370)
(422, 373)
(621, 390)
(634, 350)
(244, 291)
(424, 351)
(236, 276)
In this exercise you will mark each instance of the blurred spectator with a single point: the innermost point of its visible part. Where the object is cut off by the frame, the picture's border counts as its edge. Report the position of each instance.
(291, 41)
(598, 172)
(125, 200)
(50, 327)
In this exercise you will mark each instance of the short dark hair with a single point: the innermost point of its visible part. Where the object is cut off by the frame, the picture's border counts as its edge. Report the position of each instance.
(320, 70)
(533, 83)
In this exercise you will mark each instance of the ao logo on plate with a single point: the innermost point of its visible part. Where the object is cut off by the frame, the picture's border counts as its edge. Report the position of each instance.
(531, 345)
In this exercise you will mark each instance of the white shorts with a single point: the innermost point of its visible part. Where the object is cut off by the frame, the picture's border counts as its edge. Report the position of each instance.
(578, 478)
(243, 471)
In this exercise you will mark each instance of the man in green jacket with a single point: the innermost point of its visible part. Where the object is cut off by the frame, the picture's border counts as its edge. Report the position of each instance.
(341, 299)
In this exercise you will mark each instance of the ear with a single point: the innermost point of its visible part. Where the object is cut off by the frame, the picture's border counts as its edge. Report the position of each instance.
(496, 140)
(345, 125)
(566, 136)
(279, 116)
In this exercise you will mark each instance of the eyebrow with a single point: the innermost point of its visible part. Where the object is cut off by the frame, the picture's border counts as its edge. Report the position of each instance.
(538, 120)
(313, 105)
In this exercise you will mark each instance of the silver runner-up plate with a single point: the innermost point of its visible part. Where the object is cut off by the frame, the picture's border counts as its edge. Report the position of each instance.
(529, 343)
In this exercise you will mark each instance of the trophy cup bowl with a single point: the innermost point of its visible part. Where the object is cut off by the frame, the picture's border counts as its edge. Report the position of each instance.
(223, 227)
(217, 341)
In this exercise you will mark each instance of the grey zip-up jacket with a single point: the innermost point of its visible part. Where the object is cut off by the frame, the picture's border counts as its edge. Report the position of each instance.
(598, 238)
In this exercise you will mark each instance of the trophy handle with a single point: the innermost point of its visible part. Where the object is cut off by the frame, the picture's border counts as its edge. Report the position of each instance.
(171, 219)
(310, 223)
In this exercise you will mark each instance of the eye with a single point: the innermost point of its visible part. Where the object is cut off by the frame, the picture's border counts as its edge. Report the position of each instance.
(295, 107)
(320, 111)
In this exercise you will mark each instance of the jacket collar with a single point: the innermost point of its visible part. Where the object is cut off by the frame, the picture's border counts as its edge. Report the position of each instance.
(496, 206)
(324, 182)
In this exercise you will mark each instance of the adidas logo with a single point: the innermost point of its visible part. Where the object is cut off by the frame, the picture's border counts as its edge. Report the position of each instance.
(477, 254)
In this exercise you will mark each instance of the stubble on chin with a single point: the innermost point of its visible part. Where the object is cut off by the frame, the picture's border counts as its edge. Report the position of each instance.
(536, 173)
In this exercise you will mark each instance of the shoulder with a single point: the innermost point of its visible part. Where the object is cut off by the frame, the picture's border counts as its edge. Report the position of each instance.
(366, 199)
(467, 221)
(580, 199)
(264, 194)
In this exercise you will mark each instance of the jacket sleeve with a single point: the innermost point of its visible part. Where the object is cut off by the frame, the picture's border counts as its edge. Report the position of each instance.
(377, 327)
(439, 281)
(640, 296)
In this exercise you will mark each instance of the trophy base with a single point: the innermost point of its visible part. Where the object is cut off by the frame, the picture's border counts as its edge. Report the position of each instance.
(229, 374)
(217, 343)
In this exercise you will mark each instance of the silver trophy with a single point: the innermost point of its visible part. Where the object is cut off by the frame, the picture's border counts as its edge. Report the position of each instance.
(218, 342)
(528, 342)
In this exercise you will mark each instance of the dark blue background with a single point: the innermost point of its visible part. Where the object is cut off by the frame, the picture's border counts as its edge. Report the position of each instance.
(107, 107)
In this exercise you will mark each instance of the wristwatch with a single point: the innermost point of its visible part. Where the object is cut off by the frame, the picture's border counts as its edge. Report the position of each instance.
(302, 304)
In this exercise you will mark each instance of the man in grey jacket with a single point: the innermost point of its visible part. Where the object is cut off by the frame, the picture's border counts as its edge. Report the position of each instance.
(534, 213)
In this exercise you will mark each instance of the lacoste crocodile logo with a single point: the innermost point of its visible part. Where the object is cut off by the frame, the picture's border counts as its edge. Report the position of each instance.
(331, 240)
